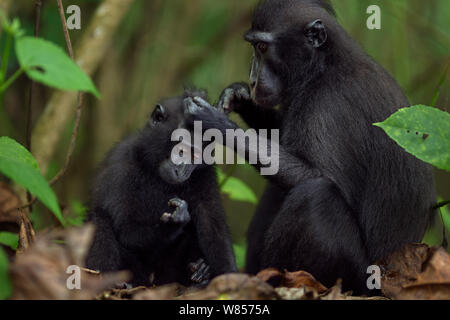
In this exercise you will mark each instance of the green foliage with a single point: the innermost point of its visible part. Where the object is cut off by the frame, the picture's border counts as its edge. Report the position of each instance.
(5, 284)
(433, 236)
(78, 215)
(9, 239)
(422, 131)
(235, 188)
(440, 84)
(210, 23)
(240, 252)
(19, 165)
(49, 64)
(13, 28)
(445, 212)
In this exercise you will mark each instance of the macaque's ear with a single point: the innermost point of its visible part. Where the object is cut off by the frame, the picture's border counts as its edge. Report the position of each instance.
(316, 33)
(159, 114)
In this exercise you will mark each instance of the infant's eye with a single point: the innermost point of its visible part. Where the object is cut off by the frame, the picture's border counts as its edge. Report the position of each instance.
(262, 47)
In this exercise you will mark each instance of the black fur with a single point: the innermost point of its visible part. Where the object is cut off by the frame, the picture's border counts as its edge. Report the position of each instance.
(130, 195)
(346, 195)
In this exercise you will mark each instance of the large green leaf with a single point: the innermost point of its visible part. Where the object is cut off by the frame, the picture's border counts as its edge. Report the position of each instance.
(49, 64)
(236, 189)
(9, 239)
(5, 284)
(19, 165)
(422, 131)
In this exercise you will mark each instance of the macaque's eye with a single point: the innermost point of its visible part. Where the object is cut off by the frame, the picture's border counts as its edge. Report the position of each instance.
(262, 47)
(159, 114)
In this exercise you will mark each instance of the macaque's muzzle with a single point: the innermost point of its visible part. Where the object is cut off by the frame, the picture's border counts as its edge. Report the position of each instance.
(183, 161)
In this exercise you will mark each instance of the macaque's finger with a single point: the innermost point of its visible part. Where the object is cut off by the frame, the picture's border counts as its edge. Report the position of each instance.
(166, 217)
(202, 103)
(176, 202)
(227, 97)
(191, 106)
(243, 94)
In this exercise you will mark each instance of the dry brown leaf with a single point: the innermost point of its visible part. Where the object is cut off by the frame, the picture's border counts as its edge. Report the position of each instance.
(8, 201)
(272, 276)
(121, 294)
(288, 279)
(40, 272)
(166, 292)
(302, 279)
(233, 286)
(14, 219)
(417, 272)
(303, 293)
(437, 269)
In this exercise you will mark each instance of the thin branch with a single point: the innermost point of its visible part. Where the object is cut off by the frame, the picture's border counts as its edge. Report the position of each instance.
(76, 127)
(66, 31)
(91, 49)
(37, 5)
(29, 110)
(11, 80)
(79, 101)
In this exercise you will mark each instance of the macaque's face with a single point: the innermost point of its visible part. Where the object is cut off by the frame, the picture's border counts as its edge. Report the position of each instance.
(265, 84)
(282, 41)
(167, 117)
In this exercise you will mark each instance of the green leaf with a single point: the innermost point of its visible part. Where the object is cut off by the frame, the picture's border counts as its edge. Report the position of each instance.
(236, 189)
(433, 236)
(78, 213)
(5, 284)
(9, 239)
(240, 252)
(422, 131)
(47, 63)
(19, 165)
(13, 28)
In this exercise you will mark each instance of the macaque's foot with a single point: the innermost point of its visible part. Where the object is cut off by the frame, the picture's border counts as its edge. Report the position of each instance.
(123, 285)
(180, 215)
(200, 272)
(233, 96)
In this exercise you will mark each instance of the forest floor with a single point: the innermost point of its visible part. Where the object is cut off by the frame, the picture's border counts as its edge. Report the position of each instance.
(40, 272)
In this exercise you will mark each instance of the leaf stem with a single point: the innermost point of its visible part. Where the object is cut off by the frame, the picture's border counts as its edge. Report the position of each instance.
(5, 57)
(11, 79)
(439, 86)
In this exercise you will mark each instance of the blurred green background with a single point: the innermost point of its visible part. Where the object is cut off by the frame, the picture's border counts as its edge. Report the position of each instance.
(163, 44)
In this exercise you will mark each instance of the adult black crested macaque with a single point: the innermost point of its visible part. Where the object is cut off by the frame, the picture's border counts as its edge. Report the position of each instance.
(345, 194)
(155, 218)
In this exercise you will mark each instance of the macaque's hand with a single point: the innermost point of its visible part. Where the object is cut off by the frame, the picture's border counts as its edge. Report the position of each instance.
(180, 215)
(234, 97)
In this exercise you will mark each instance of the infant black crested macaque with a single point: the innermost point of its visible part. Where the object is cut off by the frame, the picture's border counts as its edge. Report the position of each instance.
(162, 221)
